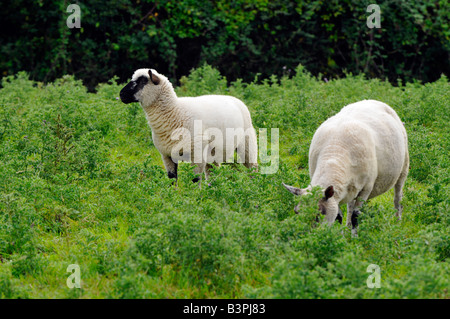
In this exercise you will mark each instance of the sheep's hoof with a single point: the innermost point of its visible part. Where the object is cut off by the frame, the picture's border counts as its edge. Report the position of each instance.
(339, 217)
(355, 215)
(171, 175)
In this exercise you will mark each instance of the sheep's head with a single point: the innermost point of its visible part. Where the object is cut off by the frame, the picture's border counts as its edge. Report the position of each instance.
(144, 87)
(327, 206)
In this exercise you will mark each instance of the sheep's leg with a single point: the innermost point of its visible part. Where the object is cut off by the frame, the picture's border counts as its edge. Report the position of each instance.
(208, 170)
(251, 151)
(398, 194)
(352, 215)
(350, 208)
(398, 189)
(353, 212)
(171, 168)
(198, 170)
(339, 216)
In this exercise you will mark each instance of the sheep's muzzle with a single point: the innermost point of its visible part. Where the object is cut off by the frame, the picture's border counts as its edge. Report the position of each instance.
(127, 94)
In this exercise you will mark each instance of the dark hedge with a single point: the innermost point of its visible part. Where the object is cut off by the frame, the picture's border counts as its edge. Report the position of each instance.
(241, 38)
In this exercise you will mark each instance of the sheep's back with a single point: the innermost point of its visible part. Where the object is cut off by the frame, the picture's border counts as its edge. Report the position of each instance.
(217, 111)
(365, 135)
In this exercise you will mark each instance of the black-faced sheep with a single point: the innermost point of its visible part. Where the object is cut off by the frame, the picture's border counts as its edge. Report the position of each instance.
(358, 154)
(183, 128)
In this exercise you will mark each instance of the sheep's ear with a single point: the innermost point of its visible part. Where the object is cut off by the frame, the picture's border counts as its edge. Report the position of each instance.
(329, 192)
(294, 190)
(153, 78)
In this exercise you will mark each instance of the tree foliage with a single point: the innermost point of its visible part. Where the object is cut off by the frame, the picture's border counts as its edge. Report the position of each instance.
(240, 37)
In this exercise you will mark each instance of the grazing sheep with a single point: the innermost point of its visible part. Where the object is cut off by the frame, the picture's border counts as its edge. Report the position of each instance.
(358, 154)
(196, 120)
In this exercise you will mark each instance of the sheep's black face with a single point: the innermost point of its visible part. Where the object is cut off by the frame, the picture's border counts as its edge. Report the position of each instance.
(128, 93)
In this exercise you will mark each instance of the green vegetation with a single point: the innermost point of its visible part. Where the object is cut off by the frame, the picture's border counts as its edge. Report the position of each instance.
(81, 183)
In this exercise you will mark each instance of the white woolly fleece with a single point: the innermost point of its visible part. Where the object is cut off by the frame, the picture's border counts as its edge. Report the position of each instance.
(165, 113)
(362, 152)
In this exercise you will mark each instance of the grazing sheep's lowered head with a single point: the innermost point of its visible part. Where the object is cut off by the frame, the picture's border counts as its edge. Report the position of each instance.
(146, 86)
(327, 205)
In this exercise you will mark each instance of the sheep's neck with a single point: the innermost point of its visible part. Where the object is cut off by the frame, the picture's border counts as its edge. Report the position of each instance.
(332, 171)
(164, 116)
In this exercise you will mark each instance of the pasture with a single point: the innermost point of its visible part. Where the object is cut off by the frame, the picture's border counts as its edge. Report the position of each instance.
(81, 183)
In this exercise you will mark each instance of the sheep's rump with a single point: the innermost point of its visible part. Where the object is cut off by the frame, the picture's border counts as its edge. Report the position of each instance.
(373, 139)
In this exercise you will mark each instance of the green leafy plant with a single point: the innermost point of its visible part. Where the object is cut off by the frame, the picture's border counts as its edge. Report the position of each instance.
(82, 183)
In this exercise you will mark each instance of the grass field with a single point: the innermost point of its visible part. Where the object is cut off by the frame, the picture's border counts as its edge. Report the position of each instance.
(81, 183)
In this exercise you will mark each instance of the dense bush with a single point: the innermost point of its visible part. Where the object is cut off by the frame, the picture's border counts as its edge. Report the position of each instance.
(81, 183)
(241, 38)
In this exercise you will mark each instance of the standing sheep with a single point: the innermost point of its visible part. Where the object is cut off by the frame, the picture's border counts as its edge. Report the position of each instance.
(358, 154)
(196, 120)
